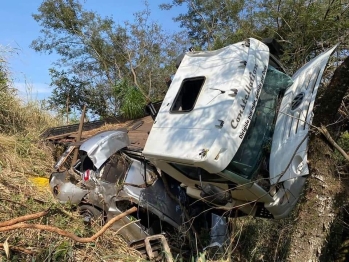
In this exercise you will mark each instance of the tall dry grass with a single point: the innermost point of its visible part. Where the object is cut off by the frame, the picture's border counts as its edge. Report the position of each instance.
(20, 126)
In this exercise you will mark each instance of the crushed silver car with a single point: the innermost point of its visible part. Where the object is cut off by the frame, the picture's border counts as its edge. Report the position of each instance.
(106, 181)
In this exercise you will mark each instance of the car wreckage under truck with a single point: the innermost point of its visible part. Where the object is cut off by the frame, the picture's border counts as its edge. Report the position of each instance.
(229, 139)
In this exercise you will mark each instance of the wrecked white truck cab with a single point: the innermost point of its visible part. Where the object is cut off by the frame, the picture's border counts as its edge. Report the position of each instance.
(233, 128)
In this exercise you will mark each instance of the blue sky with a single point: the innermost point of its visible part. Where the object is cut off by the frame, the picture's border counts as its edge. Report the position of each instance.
(18, 29)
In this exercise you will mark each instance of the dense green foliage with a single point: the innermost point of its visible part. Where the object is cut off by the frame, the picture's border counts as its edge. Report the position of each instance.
(132, 100)
(304, 28)
(96, 54)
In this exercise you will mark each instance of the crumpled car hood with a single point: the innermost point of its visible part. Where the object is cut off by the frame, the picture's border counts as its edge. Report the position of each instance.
(101, 146)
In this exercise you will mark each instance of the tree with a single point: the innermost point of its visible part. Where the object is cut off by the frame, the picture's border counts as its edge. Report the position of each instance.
(97, 54)
(209, 23)
(305, 28)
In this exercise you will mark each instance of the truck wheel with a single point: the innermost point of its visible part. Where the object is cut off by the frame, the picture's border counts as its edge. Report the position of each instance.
(91, 215)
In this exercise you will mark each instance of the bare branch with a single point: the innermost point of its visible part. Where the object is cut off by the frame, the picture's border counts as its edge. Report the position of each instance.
(23, 218)
(325, 132)
(66, 233)
(19, 249)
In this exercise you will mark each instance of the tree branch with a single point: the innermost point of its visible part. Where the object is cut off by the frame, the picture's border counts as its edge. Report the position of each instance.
(19, 249)
(325, 132)
(66, 233)
(23, 218)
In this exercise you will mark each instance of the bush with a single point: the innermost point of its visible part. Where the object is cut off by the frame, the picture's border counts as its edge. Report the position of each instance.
(132, 100)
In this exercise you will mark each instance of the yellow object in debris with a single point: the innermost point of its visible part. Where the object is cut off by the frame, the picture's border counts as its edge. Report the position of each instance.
(41, 182)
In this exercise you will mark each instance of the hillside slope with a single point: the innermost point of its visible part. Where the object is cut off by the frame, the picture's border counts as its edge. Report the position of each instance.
(25, 164)
(326, 192)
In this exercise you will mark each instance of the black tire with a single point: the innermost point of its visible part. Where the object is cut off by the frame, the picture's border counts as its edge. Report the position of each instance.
(91, 215)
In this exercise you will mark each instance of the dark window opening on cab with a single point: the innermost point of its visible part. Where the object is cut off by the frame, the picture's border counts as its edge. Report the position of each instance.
(188, 94)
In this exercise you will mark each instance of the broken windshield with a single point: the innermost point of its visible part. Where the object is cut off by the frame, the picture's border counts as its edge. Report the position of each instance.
(257, 140)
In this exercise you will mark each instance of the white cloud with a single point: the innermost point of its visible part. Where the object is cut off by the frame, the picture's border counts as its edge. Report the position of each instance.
(32, 91)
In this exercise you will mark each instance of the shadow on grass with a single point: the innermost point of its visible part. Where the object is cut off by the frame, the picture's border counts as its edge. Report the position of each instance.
(263, 239)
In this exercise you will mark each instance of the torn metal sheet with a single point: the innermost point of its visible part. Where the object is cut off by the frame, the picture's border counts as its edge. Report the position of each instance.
(64, 157)
(101, 146)
(64, 190)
